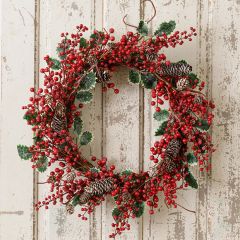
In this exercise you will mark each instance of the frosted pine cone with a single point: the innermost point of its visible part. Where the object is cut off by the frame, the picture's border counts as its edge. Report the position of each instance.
(84, 198)
(151, 56)
(182, 83)
(59, 121)
(71, 176)
(103, 76)
(167, 166)
(101, 187)
(70, 208)
(172, 149)
(175, 69)
(197, 99)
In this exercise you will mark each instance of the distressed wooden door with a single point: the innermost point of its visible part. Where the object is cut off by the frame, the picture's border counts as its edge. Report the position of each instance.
(122, 124)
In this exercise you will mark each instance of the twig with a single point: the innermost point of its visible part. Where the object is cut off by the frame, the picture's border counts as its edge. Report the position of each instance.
(124, 21)
(186, 208)
(154, 9)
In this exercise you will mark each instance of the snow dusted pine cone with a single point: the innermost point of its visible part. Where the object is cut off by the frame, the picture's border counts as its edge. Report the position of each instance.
(70, 208)
(182, 83)
(59, 121)
(71, 176)
(168, 164)
(101, 187)
(175, 69)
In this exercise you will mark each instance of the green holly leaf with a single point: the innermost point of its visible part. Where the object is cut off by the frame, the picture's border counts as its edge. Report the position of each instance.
(78, 125)
(56, 64)
(133, 76)
(165, 27)
(202, 125)
(142, 28)
(191, 180)
(84, 96)
(138, 209)
(36, 139)
(86, 138)
(60, 53)
(83, 43)
(29, 116)
(42, 164)
(94, 170)
(88, 82)
(193, 79)
(149, 81)
(75, 200)
(161, 130)
(127, 172)
(23, 152)
(116, 213)
(191, 159)
(161, 116)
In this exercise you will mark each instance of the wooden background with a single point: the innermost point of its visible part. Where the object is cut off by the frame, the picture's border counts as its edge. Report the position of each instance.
(122, 124)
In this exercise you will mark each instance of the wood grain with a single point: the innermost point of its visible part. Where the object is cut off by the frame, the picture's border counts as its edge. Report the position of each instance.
(17, 75)
(122, 124)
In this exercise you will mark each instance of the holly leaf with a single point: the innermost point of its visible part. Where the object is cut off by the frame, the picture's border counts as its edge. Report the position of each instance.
(161, 116)
(56, 64)
(193, 79)
(83, 43)
(165, 27)
(138, 209)
(149, 81)
(202, 125)
(84, 96)
(192, 160)
(192, 182)
(29, 116)
(161, 130)
(78, 125)
(23, 152)
(116, 213)
(133, 76)
(127, 172)
(42, 164)
(75, 200)
(142, 28)
(88, 82)
(36, 139)
(86, 138)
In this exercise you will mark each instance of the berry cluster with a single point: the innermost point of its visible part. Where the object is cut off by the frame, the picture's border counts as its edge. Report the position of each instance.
(54, 113)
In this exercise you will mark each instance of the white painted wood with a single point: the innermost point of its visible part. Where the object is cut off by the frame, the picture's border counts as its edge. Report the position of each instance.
(17, 75)
(121, 112)
(223, 191)
(54, 19)
(122, 131)
(177, 224)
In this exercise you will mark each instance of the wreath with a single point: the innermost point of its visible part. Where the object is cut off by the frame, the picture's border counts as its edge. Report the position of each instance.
(54, 112)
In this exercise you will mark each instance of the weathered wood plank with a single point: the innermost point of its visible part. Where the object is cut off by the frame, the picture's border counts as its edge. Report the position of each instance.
(121, 113)
(177, 224)
(223, 194)
(56, 18)
(17, 75)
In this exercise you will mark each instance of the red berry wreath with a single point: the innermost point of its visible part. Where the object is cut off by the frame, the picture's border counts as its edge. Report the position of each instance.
(55, 116)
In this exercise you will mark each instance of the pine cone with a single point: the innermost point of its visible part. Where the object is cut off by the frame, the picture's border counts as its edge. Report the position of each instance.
(103, 76)
(168, 164)
(182, 83)
(84, 198)
(172, 149)
(175, 69)
(151, 56)
(101, 187)
(71, 176)
(197, 99)
(70, 208)
(59, 121)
